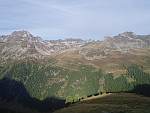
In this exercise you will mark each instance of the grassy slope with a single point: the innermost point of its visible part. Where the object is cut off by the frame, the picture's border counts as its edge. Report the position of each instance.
(114, 103)
(113, 63)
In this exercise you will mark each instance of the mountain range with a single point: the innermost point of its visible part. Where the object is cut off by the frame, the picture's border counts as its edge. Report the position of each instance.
(75, 68)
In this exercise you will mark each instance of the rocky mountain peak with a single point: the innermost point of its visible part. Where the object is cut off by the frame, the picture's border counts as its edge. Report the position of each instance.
(127, 35)
(22, 44)
(21, 34)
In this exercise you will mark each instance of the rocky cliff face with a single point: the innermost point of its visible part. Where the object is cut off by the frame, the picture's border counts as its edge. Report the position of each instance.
(22, 44)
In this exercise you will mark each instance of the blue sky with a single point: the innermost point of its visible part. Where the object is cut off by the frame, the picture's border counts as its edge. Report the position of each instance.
(54, 19)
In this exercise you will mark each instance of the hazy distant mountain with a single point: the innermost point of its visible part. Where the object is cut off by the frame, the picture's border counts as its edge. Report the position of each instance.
(122, 43)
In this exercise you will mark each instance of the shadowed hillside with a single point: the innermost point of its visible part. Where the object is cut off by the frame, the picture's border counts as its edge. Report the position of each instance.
(143, 89)
(14, 98)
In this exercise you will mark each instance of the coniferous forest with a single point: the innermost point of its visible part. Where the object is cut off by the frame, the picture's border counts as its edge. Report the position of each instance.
(49, 81)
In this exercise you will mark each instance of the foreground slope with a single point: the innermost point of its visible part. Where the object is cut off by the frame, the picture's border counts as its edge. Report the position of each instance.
(114, 103)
